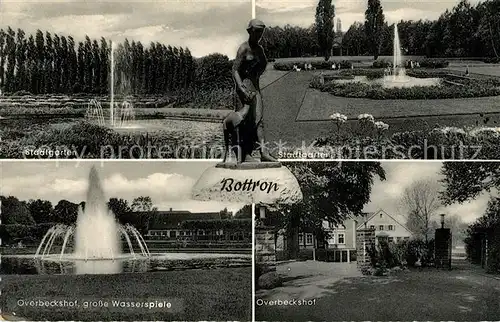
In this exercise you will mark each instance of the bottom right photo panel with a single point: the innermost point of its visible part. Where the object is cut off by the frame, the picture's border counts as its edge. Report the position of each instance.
(388, 240)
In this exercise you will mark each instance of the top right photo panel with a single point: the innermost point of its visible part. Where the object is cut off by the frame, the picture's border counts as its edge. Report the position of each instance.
(381, 79)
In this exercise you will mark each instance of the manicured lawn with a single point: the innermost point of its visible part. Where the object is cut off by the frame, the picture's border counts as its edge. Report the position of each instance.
(221, 294)
(289, 111)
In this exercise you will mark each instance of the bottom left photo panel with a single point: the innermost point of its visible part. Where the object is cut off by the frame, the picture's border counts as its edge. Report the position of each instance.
(121, 240)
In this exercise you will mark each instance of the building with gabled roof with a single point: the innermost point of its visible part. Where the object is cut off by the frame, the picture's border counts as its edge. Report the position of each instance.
(385, 225)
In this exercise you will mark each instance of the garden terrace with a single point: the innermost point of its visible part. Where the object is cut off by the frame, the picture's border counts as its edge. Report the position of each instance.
(451, 86)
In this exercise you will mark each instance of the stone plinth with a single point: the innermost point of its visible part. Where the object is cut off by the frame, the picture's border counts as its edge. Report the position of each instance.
(442, 248)
(253, 182)
(365, 239)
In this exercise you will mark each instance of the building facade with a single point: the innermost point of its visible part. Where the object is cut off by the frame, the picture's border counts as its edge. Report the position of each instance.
(342, 238)
(385, 225)
(186, 226)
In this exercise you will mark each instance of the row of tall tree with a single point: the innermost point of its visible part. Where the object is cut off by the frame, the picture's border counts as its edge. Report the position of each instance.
(464, 31)
(43, 212)
(49, 63)
(39, 211)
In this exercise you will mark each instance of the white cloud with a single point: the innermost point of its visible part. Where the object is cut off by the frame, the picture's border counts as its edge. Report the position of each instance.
(167, 190)
(202, 24)
(302, 12)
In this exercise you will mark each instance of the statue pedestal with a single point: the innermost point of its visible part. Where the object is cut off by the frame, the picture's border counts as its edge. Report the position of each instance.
(251, 182)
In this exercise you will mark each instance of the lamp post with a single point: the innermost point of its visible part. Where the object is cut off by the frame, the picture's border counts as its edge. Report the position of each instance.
(442, 220)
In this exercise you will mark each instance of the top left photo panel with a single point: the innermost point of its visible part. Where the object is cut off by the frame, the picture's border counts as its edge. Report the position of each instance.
(118, 79)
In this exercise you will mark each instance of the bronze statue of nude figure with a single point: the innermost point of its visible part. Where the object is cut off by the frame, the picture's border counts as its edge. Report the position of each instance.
(245, 126)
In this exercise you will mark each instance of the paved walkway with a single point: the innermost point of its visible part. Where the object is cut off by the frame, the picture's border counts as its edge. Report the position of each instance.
(464, 293)
(296, 114)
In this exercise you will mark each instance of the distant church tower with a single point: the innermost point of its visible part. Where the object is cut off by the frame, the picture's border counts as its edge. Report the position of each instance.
(339, 25)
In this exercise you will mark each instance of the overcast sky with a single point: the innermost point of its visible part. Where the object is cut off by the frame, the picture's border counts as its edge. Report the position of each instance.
(301, 12)
(204, 26)
(387, 194)
(168, 184)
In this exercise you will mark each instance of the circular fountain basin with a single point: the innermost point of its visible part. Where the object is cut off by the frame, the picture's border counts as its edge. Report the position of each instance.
(393, 82)
(70, 264)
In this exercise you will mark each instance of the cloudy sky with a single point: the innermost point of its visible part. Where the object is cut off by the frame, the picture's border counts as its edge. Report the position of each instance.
(204, 26)
(301, 12)
(168, 184)
(387, 194)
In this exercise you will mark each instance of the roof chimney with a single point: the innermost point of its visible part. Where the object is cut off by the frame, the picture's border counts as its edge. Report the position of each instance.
(170, 209)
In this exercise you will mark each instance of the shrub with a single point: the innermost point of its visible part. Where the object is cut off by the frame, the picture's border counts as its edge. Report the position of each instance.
(434, 63)
(492, 60)
(22, 93)
(405, 253)
(316, 64)
(472, 87)
(381, 63)
(369, 73)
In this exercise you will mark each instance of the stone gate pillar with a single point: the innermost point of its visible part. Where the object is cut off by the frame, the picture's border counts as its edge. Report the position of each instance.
(265, 247)
(442, 248)
(365, 238)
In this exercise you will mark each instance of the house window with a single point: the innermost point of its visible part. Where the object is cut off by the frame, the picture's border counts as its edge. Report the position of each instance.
(381, 227)
(332, 239)
(331, 225)
(309, 239)
(172, 234)
(341, 238)
(399, 239)
(301, 239)
(181, 233)
(391, 227)
(372, 227)
(380, 215)
(391, 239)
(341, 227)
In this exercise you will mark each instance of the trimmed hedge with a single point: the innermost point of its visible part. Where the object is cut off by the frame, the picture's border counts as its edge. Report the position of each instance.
(316, 64)
(434, 63)
(381, 63)
(492, 60)
(26, 233)
(452, 89)
(425, 63)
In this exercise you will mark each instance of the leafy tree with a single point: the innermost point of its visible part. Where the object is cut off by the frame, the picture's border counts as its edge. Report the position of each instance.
(466, 180)
(41, 210)
(15, 212)
(244, 213)
(119, 207)
(374, 23)
(331, 191)
(65, 212)
(143, 204)
(225, 214)
(325, 12)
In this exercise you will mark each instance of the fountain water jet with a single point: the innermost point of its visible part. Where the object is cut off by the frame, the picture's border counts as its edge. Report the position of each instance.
(399, 72)
(96, 235)
(94, 112)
